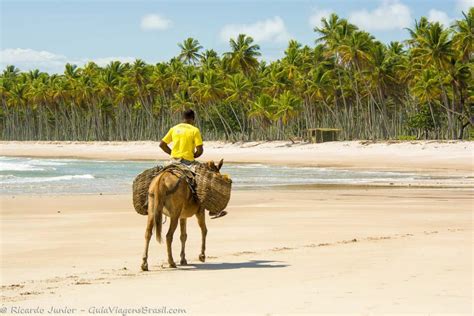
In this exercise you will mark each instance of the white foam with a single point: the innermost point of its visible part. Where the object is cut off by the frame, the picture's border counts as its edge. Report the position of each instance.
(36, 162)
(18, 166)
(16, 180)
(28, 164)
(247, 166)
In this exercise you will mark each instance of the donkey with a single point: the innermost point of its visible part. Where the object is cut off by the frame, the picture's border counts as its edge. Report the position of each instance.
(171, 195)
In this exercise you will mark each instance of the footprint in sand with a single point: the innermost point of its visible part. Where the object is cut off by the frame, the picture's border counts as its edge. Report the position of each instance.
(12, 286)
(348, 241)
(378, 238)
(82, 282)
(241, 253)
(30, 293)
(277, 249)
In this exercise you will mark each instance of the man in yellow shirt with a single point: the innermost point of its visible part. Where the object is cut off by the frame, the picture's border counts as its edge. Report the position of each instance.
(187, 145)
(186, 139)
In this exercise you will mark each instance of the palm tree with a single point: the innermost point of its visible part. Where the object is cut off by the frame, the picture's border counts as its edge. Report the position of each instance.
(207, 90)
(354, 49)
(333, 31)
(287, 106)
(238, 90)
(347, 80)
(463, 39)
(71, 71)
(10, 72)
(262, 109)
(210, 59)
(244, 54)
(293, 59)
(434, 46)
(427, 90)
(189, 51)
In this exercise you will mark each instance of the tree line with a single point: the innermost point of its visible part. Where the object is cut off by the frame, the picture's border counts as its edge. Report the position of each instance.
(421, 88)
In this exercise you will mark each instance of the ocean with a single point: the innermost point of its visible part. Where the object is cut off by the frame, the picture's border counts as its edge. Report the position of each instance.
(20, 175)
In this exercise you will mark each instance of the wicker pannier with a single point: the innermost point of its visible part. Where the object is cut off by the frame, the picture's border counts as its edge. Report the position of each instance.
(140, 189)
(213, 189)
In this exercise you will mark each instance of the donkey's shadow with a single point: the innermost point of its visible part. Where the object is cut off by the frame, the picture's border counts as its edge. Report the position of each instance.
(252, 264)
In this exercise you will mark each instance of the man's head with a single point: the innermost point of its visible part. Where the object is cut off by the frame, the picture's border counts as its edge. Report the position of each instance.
(188, 116)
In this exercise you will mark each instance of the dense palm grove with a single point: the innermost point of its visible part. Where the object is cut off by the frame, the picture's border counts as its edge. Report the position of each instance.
(421, 88)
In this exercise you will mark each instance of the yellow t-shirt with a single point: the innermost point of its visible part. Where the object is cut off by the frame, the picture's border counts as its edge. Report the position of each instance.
(185, 138)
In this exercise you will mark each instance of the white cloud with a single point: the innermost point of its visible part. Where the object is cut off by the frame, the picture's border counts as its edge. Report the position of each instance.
(269, 30)
(465, 5)
(390, 15)
(315, 18)
(27, 59)
(154, 22)
(13, 55)
(439, 16)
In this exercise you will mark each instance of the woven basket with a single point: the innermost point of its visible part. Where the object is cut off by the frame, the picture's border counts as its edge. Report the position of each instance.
(140, 189)
(213, 189)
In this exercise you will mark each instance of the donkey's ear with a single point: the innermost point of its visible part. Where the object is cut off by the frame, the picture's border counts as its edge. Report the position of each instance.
(219, 166)
(210, 164)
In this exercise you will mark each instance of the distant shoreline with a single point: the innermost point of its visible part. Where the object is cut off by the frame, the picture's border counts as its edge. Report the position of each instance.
(434, 156)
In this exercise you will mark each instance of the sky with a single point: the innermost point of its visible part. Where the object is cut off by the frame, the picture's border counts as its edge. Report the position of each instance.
(47, 34)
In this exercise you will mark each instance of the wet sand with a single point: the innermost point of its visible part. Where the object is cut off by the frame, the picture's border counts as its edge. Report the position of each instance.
(350, 250)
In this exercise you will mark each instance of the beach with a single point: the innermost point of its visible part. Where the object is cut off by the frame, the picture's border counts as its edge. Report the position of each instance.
(298, 250)
(335, 158)
(451, 156)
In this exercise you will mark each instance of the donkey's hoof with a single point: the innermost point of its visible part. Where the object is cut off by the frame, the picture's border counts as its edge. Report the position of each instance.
(172, 265)
(202, 258)
(183, 262)
(144, 266)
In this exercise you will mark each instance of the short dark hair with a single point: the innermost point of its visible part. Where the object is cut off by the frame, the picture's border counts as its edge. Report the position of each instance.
(188, 114)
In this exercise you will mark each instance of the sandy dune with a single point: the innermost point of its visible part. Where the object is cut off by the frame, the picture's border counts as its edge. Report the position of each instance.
(383, 250)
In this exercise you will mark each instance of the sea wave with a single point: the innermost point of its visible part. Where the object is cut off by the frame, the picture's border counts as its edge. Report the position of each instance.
(247, 166)
(29, 164)
(6, 176)
(19, 166)
(37, 162)
(24, 175)
(16, 180)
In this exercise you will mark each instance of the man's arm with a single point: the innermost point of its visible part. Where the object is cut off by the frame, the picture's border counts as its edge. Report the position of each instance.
(199, 151)
(165, 148)
(198, 142)
(166, 140)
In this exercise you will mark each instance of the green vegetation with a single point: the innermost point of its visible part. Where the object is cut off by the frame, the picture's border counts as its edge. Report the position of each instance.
(422, 88)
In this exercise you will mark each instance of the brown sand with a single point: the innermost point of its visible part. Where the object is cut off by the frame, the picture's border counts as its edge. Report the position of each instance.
(383, 250)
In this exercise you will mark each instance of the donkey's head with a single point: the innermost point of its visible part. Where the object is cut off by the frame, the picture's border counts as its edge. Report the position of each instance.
(213, 167)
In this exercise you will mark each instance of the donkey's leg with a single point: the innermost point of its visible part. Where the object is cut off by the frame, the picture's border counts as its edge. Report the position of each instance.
(148, 233)
(201, 217)
(169, 240)
(183, 237)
